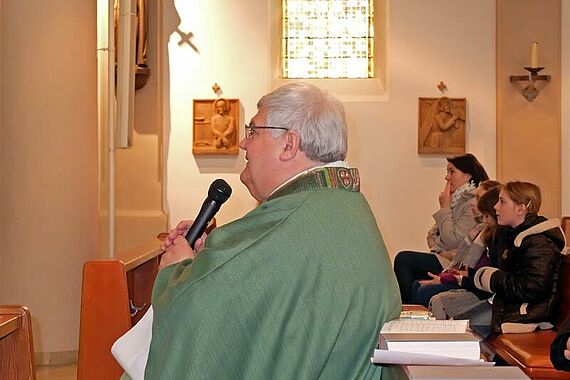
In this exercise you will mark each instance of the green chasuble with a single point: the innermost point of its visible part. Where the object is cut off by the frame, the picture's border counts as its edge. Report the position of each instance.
(296, 289)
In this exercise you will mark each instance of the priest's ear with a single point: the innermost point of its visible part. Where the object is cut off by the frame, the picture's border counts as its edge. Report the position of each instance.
(291, 146)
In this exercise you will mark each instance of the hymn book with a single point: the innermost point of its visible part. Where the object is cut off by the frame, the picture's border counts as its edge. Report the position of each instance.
(431, 338)
(409, 326)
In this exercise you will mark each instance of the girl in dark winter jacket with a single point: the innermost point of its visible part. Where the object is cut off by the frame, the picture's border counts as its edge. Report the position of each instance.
(525, 286)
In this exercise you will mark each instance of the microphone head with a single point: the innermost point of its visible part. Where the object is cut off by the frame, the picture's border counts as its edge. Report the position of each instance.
(219, 191)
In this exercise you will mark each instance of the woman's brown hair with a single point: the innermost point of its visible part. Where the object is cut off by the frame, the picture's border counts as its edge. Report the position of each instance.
(486, 206)
(525, 193)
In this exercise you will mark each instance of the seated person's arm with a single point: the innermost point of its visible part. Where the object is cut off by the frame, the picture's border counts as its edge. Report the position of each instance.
(452, 231)
(448, 253)
(432, 238)
(435, 280)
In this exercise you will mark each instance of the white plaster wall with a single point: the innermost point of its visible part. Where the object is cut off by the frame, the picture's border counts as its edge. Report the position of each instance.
(428, 42)
(232, 43)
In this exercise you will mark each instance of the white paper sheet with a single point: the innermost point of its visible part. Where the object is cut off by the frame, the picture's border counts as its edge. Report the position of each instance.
(131, 349)
(396, 357)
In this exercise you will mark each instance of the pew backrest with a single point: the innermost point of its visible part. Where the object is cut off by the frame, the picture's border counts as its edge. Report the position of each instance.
(115, 294)
(16, 343)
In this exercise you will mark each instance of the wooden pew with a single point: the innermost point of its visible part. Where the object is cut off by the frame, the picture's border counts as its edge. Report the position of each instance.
(110, 288)
(531, 352)
(115, 295)
(16, 343)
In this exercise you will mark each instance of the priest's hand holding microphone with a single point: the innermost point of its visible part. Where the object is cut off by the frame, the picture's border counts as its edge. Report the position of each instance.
(188, 238)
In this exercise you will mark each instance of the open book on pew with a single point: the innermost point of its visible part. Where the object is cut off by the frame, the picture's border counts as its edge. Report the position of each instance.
(428, 326)
(427, 342)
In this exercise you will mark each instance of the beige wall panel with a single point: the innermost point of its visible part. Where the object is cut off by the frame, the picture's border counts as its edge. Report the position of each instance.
(1, 139)
(528, 133)
(565, 123)
(48, 161)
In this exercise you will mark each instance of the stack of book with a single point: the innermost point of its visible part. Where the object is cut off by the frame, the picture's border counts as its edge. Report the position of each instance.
(426, 372)
(427, 341)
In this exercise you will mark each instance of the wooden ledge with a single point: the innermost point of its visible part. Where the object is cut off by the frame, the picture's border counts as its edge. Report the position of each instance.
(140, 254)
(9, 323)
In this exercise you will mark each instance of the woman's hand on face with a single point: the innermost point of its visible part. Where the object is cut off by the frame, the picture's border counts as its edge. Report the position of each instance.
(435, 280)
(445, 196)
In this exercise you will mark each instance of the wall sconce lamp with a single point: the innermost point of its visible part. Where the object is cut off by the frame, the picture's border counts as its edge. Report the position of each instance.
(530, 91)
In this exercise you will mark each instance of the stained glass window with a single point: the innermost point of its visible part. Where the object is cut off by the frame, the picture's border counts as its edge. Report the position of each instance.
(328, 39)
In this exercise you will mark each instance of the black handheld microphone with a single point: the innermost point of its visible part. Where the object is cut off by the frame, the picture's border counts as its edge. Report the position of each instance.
(218, 193)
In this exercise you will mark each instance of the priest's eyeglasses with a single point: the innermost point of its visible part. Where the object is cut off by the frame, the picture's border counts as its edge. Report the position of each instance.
(250, 129)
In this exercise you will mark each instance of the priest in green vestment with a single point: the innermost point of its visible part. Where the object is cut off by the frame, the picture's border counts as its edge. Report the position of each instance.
(299, 287)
